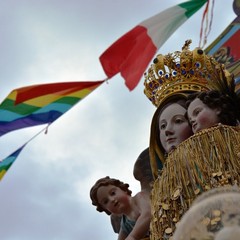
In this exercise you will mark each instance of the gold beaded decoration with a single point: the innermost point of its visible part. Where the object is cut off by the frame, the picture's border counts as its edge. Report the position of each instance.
(178, 72)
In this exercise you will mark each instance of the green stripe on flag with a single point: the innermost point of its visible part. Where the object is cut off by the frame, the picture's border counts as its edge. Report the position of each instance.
(192, 6)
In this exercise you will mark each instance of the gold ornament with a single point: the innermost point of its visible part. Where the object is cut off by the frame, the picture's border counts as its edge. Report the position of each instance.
(194, 167)
(182, 72)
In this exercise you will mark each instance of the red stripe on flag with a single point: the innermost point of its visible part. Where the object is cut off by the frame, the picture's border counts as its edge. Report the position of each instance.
(27, 93)
(129, 55)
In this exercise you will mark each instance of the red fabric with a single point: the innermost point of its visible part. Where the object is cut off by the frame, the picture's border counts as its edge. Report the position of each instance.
(233, 44)
(130, 56)
(64, 88)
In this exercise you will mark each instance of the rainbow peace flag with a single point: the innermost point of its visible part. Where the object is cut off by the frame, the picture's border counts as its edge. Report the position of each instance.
(41, 104)
(7, 162)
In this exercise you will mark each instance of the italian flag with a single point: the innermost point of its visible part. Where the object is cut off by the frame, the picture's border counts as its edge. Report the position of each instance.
(131, 54)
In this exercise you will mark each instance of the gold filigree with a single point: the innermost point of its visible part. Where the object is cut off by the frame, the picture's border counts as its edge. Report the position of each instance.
(182, 71)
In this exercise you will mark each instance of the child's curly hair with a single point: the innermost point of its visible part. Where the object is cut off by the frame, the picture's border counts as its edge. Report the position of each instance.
(215, 99)
(105, 182)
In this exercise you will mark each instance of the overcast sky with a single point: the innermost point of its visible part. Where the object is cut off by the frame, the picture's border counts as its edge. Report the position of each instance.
(45, 194)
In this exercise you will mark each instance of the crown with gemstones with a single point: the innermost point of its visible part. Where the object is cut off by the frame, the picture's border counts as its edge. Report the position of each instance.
(181, 72)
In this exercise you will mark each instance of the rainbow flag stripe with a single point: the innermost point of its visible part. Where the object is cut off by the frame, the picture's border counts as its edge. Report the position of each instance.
(41, 104)
(7, 162)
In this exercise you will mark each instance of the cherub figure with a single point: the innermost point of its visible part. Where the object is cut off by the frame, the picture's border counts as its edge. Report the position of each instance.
(112, 196)
(206, 109)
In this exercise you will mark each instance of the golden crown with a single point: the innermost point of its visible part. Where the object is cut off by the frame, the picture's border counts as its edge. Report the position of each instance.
(180, 72)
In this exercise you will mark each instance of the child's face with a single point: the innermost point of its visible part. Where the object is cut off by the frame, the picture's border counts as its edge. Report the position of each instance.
(173, 126)
(113, 199)
(201, 116)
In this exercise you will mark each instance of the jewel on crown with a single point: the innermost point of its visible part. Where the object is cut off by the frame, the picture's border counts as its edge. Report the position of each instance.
(178, 72)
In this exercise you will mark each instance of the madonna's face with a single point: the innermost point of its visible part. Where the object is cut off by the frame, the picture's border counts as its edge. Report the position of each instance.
(201, 116)
(173, 126)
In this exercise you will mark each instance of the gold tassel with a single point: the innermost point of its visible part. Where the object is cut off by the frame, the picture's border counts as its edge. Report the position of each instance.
(209, 159)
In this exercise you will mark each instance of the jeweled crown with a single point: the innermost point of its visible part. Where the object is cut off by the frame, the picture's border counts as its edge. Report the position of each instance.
(180, 72)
